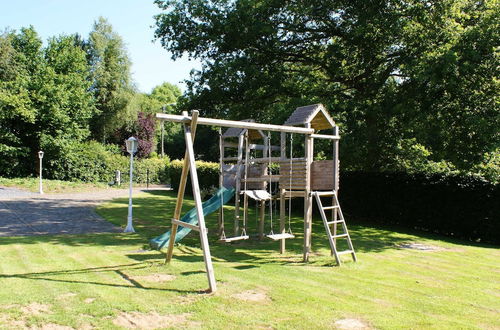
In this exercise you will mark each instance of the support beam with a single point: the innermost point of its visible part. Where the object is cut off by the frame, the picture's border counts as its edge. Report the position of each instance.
(235, 123)
(251, 145)
(207, 258)
(282, 195)
(324, 136)
(182, 188)
(309, 146)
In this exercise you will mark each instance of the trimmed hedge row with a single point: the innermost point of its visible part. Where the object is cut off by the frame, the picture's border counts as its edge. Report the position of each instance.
(460, 206)
(95, 162)
(454, 205)
(208, 175)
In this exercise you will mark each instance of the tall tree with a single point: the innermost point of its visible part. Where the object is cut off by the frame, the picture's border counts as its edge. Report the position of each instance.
(383, 67)
(111, 78)
(44, 98)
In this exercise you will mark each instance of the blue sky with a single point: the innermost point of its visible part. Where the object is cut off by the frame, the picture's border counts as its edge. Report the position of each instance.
(131, 19)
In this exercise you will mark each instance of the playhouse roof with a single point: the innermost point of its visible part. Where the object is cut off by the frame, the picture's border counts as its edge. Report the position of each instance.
(253, 134)
(314, 114)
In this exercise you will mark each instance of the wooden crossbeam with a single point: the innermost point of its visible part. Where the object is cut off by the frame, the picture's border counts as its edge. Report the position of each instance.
(234, 123)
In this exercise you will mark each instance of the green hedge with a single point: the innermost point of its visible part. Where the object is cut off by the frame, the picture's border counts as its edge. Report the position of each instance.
(208, 175)
(455, 205)
(95, 162)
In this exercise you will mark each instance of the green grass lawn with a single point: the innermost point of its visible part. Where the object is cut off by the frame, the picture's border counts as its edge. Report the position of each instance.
(50, 186)
(109, 281)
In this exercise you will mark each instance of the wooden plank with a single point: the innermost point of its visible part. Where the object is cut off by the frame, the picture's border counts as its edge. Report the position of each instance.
(265, 160)
(182, 188)
(282, 196)
(308, 199)
(207, 258)
(294, 193)
(220, 222)
(265, 178)
(252, 146)
(325, 136)
(322, 175)
(185, 224)
(234, 123)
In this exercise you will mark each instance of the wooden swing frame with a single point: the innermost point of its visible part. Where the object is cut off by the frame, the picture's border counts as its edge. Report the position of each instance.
(189, 167)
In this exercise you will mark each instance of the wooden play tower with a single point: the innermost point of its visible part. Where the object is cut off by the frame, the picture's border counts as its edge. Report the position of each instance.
(252, 177)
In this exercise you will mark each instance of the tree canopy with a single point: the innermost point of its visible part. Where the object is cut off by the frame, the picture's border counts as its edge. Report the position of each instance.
(403, 78)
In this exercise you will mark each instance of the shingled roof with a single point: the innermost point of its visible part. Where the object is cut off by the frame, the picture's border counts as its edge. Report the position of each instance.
(253, 134)
(314, 114)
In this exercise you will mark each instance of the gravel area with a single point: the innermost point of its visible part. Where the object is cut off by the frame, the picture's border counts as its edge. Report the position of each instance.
(25, 213)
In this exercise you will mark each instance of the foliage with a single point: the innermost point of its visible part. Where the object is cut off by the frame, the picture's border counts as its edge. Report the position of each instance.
(152, 170)
(111, 79)
(454, 205)
(208, 175)
(44, 97)
(389, 71)
(94, 162)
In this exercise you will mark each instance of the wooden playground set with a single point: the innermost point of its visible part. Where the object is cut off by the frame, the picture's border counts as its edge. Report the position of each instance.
(251, 167)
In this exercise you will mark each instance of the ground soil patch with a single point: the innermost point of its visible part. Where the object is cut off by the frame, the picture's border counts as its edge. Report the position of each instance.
(346, 324)
(252, 295)
(154, 278)
(35, 309)
(152, 320)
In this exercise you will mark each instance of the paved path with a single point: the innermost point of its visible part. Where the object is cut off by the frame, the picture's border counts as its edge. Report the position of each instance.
(24, 213)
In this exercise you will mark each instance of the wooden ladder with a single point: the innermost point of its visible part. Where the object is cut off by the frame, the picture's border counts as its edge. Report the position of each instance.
(338, 218)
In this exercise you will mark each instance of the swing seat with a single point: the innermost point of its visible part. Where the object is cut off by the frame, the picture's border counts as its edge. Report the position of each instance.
(258, 195)
(233, 239)
(277, 237)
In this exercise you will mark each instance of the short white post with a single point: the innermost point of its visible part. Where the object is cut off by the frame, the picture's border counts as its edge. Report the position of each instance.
(131, 144)
(40, 156)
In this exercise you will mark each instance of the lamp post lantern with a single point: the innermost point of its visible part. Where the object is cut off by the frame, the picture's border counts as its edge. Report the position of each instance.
(131, 144)
(40, 156)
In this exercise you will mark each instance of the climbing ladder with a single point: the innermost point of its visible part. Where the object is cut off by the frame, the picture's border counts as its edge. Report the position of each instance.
(338, 218)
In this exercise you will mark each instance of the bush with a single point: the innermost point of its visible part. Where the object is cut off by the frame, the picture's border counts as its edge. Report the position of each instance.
(158, 170)
(208, 175)
(95, 162)
(454, 205)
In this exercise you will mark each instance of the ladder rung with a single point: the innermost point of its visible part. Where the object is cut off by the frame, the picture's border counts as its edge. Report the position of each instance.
(324, 193)
(330, 207)
(335, 221)
(340, 235)
(345, 252)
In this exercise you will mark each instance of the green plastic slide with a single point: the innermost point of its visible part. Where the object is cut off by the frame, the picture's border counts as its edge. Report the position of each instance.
(221, 197)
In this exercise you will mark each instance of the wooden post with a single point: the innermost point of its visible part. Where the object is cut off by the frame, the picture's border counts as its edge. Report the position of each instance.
(220, 225)
(199, 210)
(335, 181)
(308, 197)
(241, 139)
(182, 187)
(282, 196)
(246, 169)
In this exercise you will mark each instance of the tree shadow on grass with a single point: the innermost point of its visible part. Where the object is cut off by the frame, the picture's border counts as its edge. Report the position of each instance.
(119, 270)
